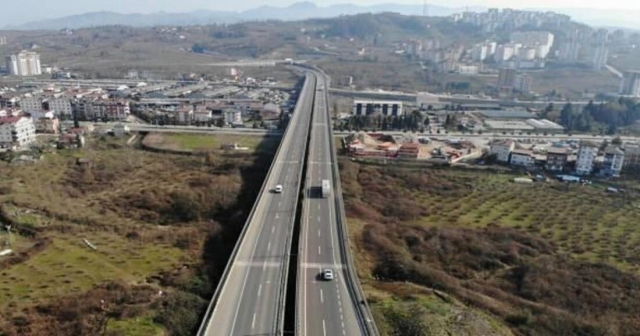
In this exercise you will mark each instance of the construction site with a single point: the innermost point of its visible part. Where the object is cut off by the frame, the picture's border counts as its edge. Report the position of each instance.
(409, 146)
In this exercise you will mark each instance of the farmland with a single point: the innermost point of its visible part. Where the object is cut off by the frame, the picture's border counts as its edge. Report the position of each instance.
(502, 258)
(127, 242)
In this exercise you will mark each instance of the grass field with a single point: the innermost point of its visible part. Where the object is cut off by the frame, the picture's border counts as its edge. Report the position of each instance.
(152, 219)
(200, 142)
(515, 254)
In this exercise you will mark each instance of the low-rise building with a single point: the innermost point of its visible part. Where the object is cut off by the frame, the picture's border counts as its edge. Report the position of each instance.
(17, 131)
(184, 114)
(47, 125)
(502, 149)
(232, 116)
(368, 107)
(409, 151)
(556, 159)
(613, 161)
(522, 157)
(586, 158)
(631, 157)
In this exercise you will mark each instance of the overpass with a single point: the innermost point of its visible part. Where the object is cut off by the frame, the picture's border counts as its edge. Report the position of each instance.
(250, 297)
(335, 307)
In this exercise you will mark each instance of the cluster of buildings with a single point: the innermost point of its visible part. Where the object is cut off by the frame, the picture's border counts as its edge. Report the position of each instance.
(3, 40)
(510, 20)
(526, 49)
(444, 58)
(510, 79)
(583, 158)
(24, 63)
(587, 46)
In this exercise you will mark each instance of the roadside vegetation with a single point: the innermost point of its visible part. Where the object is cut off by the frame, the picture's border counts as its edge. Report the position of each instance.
(123, 242)
(466, 252)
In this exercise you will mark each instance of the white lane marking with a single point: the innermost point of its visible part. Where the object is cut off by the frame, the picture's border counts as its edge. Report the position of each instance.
(264, 266)
(277, 216)
(273, 228)
(324, 329)
(318, 232)
(253, 324)
(321, 296)
(318, 206)
(319, 250)
(279, 204)
(259, 290)
(269, 246)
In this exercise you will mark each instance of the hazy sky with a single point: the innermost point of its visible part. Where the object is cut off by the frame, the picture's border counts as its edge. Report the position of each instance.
(20, 11)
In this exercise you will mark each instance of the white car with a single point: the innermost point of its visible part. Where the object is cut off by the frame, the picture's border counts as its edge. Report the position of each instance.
(327, 274)
(278, 189)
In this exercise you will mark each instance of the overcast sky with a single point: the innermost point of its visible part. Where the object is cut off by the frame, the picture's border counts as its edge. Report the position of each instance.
(21, 11)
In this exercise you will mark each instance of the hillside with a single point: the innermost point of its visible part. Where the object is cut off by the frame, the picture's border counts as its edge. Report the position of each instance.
(447, 251)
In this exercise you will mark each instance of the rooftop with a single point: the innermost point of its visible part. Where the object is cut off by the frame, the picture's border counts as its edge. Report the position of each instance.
(504, 114)
(10, 120)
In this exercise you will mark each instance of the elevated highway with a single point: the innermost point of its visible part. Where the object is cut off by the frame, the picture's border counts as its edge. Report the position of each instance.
(250, 297)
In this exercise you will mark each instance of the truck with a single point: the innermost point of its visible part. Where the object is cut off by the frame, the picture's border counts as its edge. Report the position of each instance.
(326, 188)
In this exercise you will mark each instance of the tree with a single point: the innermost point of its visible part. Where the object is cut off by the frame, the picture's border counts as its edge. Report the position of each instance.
(616, 141)
(567, 116)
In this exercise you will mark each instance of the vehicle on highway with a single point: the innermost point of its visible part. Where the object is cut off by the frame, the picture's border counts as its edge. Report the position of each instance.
(326, 188)
(327, 274)
(277, 189)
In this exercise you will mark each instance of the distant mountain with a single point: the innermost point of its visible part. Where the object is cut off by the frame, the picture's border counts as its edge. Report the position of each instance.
(296, 11)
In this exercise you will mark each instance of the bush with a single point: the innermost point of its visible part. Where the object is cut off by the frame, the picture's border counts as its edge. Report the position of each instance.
(181, 313)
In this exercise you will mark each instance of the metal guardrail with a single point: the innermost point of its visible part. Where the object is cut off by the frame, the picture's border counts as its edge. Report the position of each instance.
(234, 253)
(354, 286)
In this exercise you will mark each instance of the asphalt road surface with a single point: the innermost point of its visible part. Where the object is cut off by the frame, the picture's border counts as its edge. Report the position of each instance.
(249, 301)
(324, 308)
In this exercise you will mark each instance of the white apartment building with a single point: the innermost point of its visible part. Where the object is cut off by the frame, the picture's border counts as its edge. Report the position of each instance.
(599, 57)
(61, 105)
(31, 104)
(613, 161)
(535, 38)
(586, 157)
(17, 131)
(232, 116)
(25, 63)
(502, 150)
(630, 85)
(522, 157)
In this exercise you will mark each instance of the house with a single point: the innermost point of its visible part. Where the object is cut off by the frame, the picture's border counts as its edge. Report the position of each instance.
(202, 114)
(522, 157)
(502, 149)
(184, 114)
(17, 131)
(556, 159)
(613, 161)
(586, 158)
(47, 125)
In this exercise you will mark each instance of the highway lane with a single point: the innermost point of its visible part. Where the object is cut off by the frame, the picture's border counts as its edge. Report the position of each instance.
(323, 307)
(250, 299)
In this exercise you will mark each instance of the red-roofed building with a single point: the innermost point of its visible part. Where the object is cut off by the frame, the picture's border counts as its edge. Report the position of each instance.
(409, 151)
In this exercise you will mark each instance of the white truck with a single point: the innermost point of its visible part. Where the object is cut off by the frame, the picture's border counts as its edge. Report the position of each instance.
(326, 188)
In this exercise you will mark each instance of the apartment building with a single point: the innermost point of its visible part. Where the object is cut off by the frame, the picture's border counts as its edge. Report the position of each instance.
(522, 157)
(16, 131)
(630, 85)
(32, 104)
(24, 63)
(368, 107)
(556, 159)
(502, 149)
(631, 157)
(94, 108)
(586, 158)
(613, 161)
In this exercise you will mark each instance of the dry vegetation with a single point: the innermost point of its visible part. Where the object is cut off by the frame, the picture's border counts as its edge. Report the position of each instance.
(541, 259)
(163, 226)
